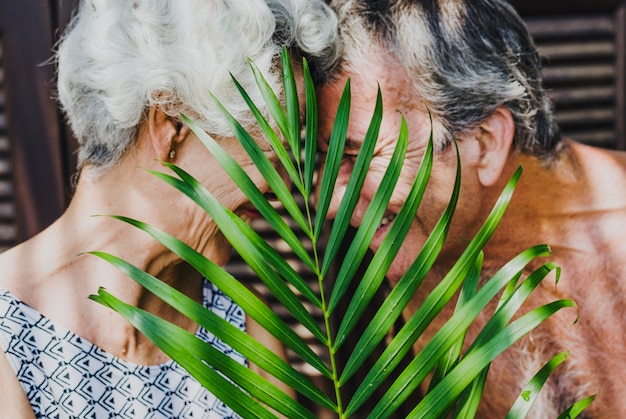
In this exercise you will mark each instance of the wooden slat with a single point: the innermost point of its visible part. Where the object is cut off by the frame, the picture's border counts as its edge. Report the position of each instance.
(33, 119)
(544, 8)
(4, 141)
(8, 230)
(579, 74)
(586, 117)
(7, 233)
(5, 167)
(241, 271)
(7, 210)
(581, 71)
(571, 26)
(6, 190)
(620, 79)
(582, 94)
(564, 51)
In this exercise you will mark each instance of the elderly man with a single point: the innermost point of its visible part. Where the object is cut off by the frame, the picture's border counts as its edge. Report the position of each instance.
(473, 64)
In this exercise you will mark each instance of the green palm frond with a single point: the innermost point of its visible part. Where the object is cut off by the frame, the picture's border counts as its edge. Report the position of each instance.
(458, 375)
(531, 391)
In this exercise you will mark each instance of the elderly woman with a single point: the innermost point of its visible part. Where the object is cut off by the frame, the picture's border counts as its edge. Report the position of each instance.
(126, 70)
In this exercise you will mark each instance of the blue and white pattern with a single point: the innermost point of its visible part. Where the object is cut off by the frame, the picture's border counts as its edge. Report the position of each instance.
(65, 376)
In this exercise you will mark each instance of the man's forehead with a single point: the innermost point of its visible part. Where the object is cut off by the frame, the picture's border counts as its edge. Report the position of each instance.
(367, 74)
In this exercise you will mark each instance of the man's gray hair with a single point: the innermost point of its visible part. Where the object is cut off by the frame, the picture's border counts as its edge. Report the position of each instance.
(465, 58)
(121, 57)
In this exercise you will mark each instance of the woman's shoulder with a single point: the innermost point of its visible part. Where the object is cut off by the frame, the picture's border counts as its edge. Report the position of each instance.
(7, 269)
(22, 328)
(12, 396)
(16, 267)
(15, 315)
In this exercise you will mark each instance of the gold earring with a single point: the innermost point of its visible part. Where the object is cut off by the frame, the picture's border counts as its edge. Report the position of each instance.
(172, 154)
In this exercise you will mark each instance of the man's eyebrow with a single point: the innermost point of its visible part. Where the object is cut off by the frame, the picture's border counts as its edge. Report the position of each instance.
(353, 144)
(350, 145)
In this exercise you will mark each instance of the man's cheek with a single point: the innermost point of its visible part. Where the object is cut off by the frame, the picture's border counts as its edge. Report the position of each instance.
(375, 176)
(407, 254)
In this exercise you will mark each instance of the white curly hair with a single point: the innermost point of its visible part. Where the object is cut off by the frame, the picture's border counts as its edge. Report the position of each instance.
(121, 57)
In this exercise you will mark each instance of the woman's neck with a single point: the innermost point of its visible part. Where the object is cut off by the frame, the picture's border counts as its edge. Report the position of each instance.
(52, 273)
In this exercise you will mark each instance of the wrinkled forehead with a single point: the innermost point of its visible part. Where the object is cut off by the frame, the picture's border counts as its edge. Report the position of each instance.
(383, 71)
(371, 68)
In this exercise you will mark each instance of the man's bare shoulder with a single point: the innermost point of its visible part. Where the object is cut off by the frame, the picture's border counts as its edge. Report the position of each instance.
(592, 204)
(605, 169)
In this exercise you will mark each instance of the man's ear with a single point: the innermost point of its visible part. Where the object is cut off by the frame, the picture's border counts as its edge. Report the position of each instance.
(496, 139)
(164, 133)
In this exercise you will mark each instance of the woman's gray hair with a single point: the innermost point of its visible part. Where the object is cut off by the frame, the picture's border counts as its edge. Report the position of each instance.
(465, 58)
(121, 57)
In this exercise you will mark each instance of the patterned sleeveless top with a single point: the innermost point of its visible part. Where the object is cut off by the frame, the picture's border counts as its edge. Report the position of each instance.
(65, 376)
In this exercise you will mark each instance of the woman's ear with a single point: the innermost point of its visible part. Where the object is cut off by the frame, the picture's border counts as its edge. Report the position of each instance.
(496, 139)
(164, 133)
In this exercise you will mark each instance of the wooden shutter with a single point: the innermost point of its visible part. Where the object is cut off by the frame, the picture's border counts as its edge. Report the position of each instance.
(41, 151)
(583, 56)
(8, 229)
